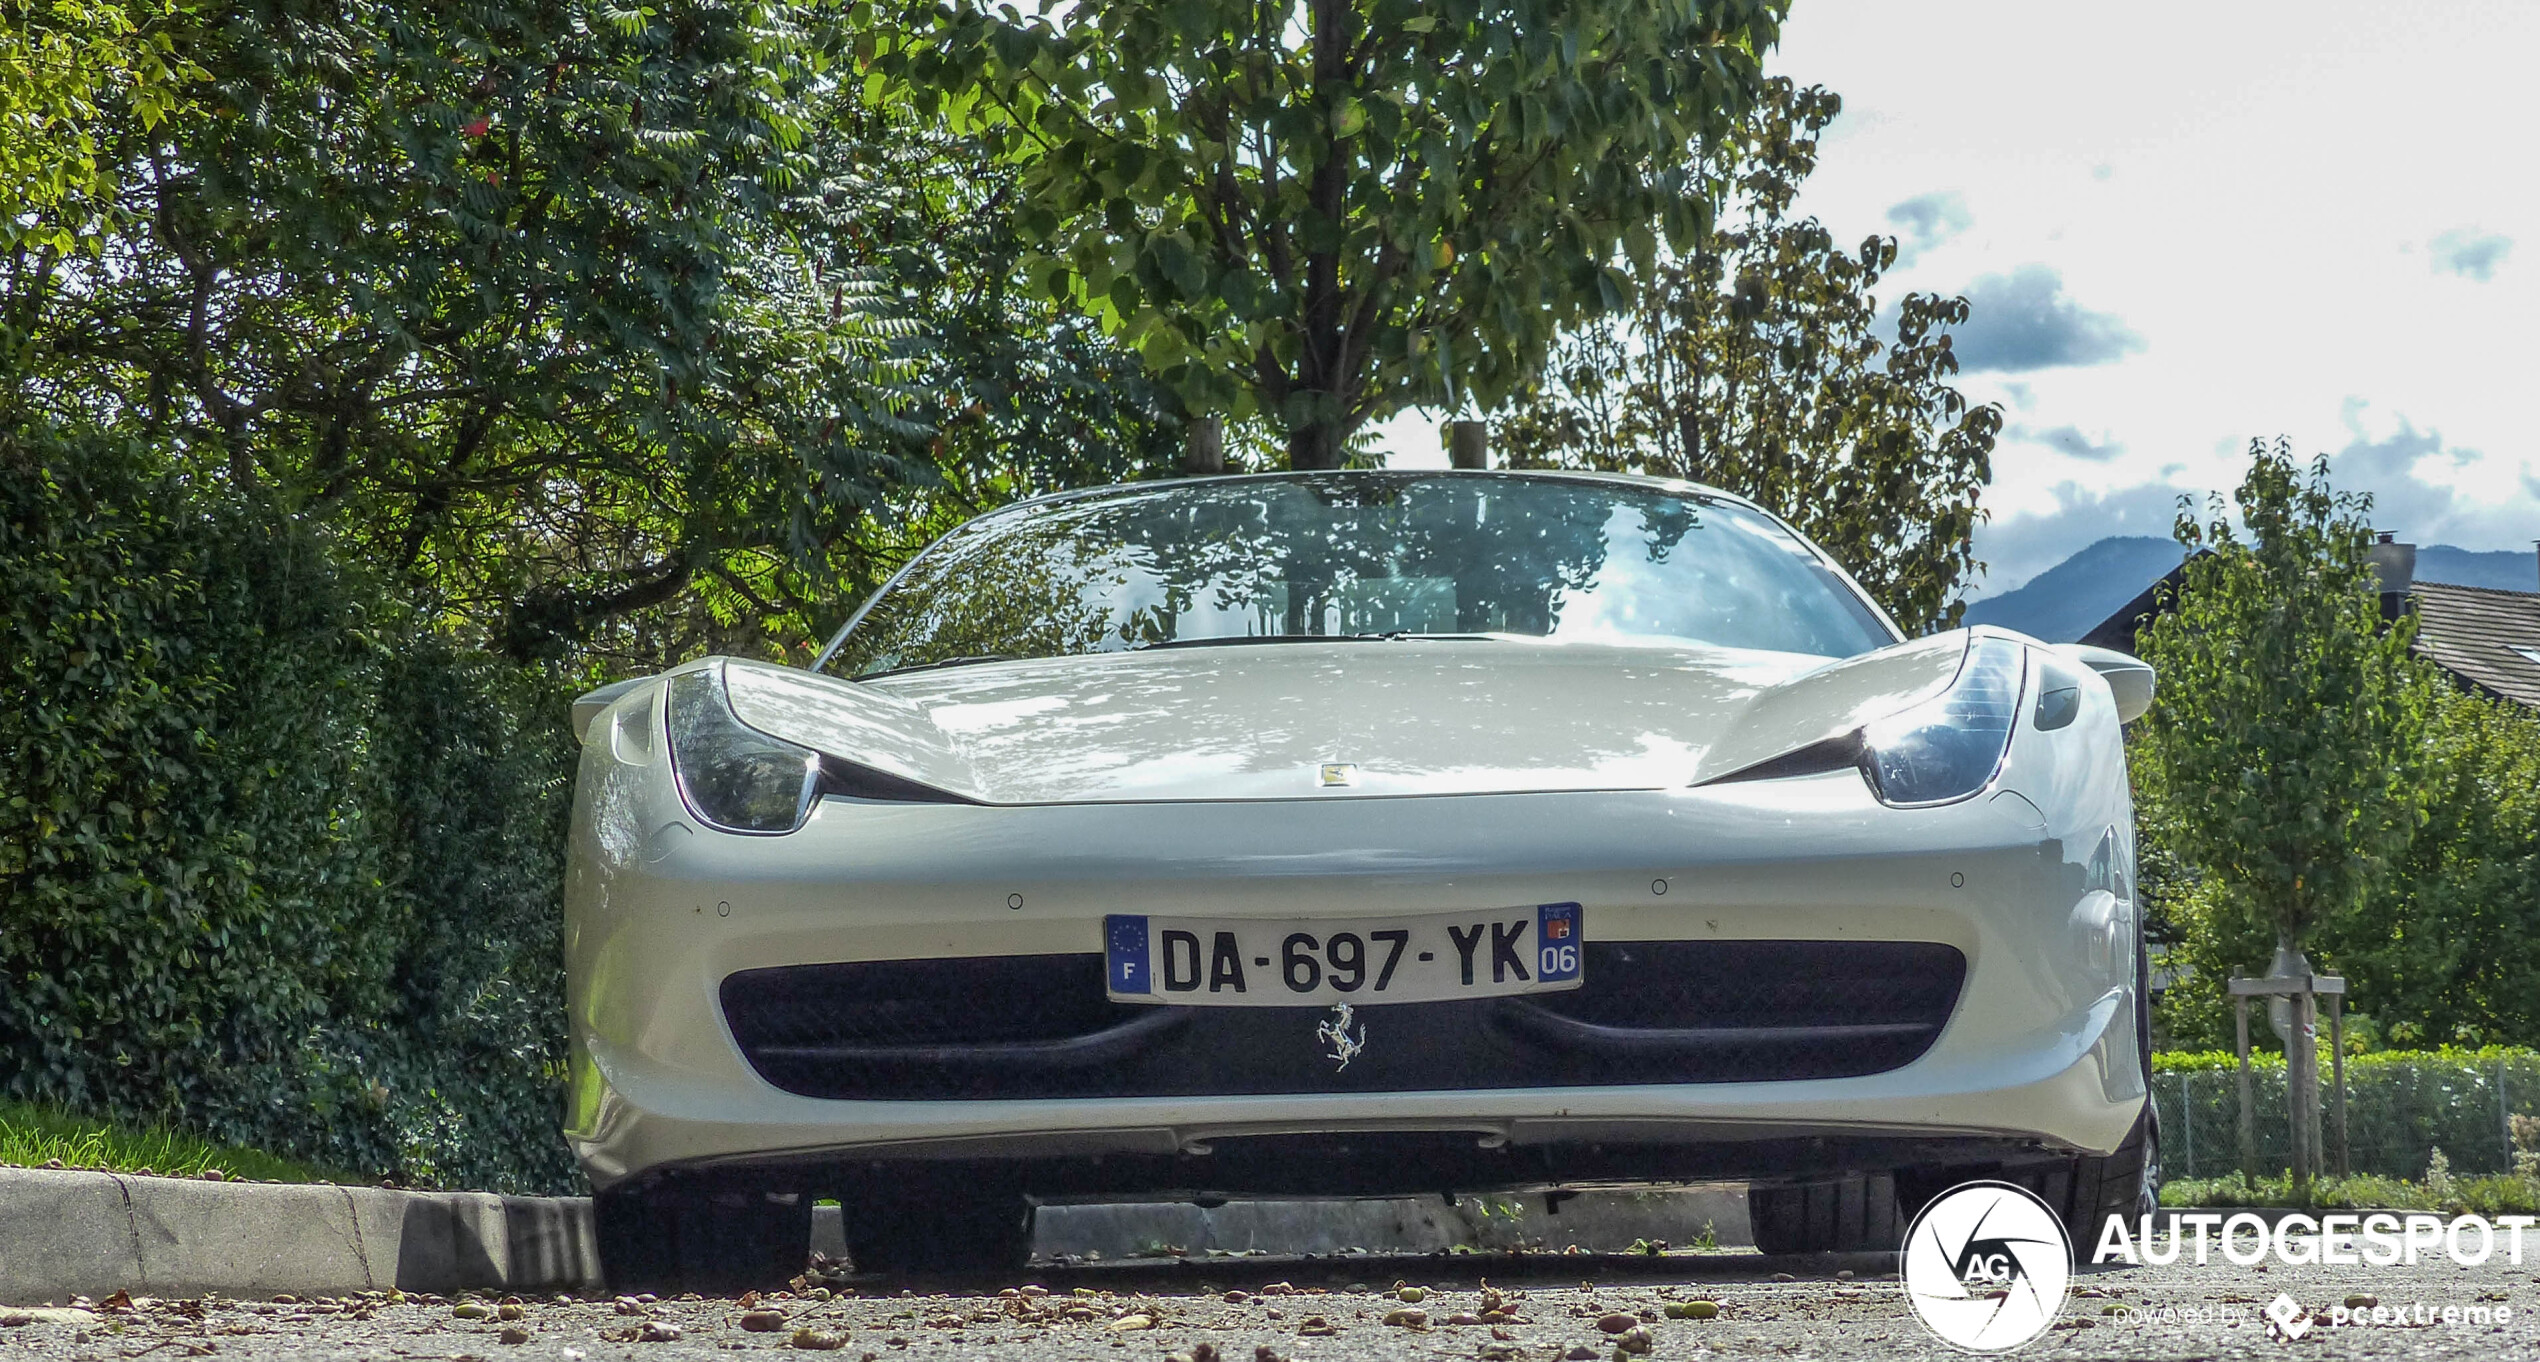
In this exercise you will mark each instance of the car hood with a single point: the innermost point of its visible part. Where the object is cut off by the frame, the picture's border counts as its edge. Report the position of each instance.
(1413, 716)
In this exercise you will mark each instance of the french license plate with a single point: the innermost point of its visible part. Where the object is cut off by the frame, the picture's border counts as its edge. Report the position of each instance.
(1315, 963)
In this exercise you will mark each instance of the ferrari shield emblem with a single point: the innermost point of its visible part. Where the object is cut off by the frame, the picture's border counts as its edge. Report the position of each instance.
(1335, 1032)
(1338, 773)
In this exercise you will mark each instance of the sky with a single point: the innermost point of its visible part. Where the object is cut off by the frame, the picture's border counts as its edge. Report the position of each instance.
(2182, 227)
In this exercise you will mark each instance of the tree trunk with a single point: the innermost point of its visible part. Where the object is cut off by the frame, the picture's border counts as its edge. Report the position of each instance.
(1317, 446)
(1204, 447)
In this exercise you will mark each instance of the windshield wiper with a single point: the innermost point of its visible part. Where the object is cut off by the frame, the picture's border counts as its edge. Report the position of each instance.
(963, 661)
(1240, 640)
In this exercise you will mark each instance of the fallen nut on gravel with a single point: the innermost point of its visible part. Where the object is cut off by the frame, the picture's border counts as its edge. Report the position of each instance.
(1514, 1309)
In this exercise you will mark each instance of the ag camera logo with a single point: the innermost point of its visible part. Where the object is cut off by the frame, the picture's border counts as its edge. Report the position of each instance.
(1986, 1265)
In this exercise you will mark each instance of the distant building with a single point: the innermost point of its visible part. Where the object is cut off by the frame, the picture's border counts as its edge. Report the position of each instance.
(2486, 640)
(2128, 621)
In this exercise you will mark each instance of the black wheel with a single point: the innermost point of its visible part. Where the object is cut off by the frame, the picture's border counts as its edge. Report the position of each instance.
(693, 1239)
(937, 1224)
(1855, 1214)
(2147, 1196)
(2084, 1190)
(2147, 1200)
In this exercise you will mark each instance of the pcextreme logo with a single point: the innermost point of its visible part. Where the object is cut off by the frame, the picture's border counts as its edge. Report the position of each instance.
(1986, 1265)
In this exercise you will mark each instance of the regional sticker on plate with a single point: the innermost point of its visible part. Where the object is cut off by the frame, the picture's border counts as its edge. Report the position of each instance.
(1246, 963)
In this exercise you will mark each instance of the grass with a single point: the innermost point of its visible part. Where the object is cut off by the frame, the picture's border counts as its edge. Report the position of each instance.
(2500, 1194)
(35, 1136)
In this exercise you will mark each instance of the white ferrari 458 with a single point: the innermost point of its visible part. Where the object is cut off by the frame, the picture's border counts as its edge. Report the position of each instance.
(1347, 834)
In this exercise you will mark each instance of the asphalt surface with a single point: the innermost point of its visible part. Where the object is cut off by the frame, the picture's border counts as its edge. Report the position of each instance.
(1328, 1309)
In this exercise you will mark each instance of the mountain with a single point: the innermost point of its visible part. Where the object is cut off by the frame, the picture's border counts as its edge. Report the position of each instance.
(2065, 601)
(2504, 570)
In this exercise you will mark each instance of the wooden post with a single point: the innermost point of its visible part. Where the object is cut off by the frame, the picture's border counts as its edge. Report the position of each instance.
(1468, 444)
(2337, 1072)
(2301, 1070)
(1204, 447)
(2187, 1118)
(2248, 1128)
(2304, 1074)
(2504, 1113)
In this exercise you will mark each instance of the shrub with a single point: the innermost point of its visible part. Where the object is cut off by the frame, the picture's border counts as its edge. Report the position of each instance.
(2401, 1105)
(273, 862)
(2493, 1195)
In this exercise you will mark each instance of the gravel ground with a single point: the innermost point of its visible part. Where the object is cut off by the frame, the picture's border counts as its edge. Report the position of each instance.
(1534, 1307)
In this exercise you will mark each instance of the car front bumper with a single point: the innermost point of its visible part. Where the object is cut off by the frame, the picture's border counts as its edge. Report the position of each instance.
(2039, 1051)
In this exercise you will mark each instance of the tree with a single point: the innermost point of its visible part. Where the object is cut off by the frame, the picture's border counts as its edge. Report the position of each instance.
(64, 65)
(1015, 395)
(563, 323)
(469, 281)
(2282, 764)
(1322, 210)
(1751, 361)
(2448, 950)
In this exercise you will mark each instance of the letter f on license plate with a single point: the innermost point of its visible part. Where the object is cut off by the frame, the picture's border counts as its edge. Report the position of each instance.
(1316, 962)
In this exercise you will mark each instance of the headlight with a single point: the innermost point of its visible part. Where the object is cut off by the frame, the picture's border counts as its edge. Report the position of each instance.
(732, 776)
(1949, 747)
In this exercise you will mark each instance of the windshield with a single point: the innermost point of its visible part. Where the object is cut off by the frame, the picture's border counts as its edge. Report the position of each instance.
(1361, 555)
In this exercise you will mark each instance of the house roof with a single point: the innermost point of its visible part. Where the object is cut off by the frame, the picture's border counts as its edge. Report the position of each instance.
(2489, 640)
(2118, 630)
(2478, 634)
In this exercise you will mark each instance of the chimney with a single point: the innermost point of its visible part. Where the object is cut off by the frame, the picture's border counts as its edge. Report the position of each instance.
(2396, 565)
(1468, 444)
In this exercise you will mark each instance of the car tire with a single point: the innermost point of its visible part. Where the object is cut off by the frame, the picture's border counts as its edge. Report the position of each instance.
(2148, 1194)
(932, 1225)
(691, 1239)
(1856, 1214)
(2086, 1189)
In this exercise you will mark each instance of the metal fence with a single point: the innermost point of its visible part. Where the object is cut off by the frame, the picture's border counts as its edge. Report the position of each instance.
(2398, 1112)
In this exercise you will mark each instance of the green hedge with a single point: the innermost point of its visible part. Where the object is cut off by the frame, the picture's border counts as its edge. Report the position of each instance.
(276, 863)
(2401, 1105)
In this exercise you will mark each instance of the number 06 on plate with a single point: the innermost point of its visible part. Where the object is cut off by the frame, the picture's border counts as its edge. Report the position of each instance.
(1317, 962)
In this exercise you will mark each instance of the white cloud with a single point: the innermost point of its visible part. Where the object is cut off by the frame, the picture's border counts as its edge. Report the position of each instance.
(2469, 254)
(1926, 221)
(2423, 489)
(2023, 321)
(2201, 196)
(2069, 439)
(2430, 492)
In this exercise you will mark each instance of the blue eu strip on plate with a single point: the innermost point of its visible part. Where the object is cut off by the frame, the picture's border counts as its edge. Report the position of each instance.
(1126, 942)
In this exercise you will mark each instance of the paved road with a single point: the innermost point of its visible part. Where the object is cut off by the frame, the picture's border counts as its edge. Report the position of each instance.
(1328, 1310)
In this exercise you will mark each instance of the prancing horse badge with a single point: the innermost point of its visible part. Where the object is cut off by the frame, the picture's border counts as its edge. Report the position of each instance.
(1335, 1033)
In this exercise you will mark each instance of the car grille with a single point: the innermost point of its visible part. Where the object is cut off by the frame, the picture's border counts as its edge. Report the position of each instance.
(1039, 1026)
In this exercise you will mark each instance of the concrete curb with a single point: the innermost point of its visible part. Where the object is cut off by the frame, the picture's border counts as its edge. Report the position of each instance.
(65, 1234)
